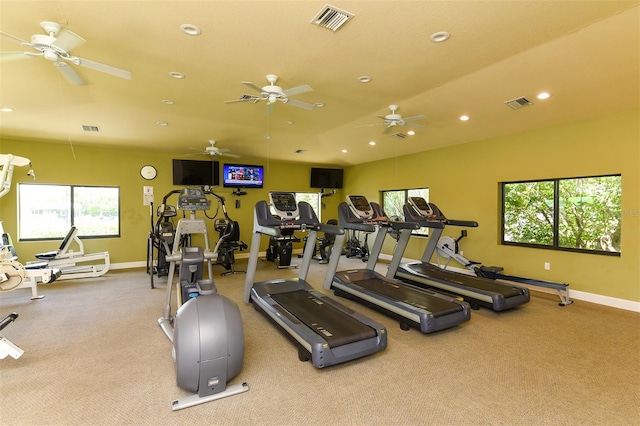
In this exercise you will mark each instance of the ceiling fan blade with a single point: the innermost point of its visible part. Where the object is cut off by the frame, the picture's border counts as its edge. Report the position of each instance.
(14, 38)
(297, 90)
(371, 125)
(69, 73)
(416, 126)
(245, 98)
(300, 104)
(253, 86)
(230, 155)
(117, 72)
(415, 118)
(387, 129)
(68, 40)
(13, 56)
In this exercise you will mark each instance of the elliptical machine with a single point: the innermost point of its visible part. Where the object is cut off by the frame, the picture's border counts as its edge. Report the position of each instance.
(206, 332)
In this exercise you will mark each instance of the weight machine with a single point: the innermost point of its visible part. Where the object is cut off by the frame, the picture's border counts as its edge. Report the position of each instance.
(13, 274)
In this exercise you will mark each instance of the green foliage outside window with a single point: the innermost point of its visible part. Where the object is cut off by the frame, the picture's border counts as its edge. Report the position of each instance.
(575, 214)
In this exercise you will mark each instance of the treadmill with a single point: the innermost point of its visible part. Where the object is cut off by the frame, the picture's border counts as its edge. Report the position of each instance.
(422, 309)
(325, 331)
(478, 291)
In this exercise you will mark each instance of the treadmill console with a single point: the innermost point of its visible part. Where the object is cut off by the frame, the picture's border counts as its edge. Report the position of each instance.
(284, 205)
(421, 206)
(360, 206)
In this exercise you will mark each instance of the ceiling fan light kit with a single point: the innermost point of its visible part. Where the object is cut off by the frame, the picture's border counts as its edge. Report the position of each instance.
(272, 93)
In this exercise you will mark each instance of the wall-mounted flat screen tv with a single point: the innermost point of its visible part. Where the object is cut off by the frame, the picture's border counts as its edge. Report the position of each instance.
(196, 173)
(326, 178)
(242, 176)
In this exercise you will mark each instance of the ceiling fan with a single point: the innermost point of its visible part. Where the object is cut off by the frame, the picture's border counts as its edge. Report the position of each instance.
(272, 93)
(213, 151)
(55, 46)
(393, 119)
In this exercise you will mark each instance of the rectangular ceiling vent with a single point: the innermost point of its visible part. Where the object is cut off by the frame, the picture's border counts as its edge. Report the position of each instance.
(399, 135)
(331, 17)
(519, 103)
(90, 128)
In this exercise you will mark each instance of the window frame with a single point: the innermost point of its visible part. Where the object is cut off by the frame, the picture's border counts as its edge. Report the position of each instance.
(555, 245)
(71, 210)
(420, 232)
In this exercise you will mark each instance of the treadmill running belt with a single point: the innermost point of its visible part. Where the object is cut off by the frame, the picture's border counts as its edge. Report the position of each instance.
(335, 326)
(434, 304)
(485, 284)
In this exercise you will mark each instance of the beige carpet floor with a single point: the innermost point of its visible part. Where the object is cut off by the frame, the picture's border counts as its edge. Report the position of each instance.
(94, 354)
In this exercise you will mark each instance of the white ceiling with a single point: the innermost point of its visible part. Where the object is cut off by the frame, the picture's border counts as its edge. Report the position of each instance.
(586, 53)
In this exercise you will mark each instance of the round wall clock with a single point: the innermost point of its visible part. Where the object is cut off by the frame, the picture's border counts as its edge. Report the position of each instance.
(148, 172)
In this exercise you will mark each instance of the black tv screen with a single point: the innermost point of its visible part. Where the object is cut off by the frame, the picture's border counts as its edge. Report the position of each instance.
(196, 173)
(242, 176)
(326, 178)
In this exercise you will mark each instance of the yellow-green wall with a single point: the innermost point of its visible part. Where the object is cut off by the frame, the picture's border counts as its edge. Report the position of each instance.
(55, 164)
(463, 182)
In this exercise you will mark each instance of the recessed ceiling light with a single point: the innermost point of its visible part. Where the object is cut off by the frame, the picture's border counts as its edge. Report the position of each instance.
(543, 95)
(190, 29)
(464, 118)
(364, 79)
(319, 104)
(439, 37)
(344, 151)
(176, 74)
(162, 123)
(372, 143)
(6, 109)
(288, 122)
(411, 132)
(168, 102)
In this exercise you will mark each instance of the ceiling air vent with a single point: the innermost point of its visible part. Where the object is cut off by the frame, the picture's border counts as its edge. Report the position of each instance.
(519, 103)
(399, 135)
(90, 128)
(331, 17)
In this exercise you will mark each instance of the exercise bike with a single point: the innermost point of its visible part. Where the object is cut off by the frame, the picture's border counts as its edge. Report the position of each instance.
(206, 331)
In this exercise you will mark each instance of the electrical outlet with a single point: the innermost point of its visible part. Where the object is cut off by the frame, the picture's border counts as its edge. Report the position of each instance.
(547, 265)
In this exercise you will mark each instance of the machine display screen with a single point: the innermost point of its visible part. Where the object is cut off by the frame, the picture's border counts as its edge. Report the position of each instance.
(284, 204)
(421, 205)
(360, 206)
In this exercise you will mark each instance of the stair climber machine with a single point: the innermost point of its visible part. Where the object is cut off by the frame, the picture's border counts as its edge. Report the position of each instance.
(160, 240)
(423, 309)
(478, 291)
(325, 331)
(206, 331)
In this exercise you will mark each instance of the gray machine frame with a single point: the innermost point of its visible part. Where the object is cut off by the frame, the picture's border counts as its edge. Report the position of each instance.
(312, 343)
(478, 291)
(404, 302)
(205, 352)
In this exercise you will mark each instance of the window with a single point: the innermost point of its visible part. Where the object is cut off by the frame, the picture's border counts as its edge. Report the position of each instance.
(49, 211)
(392, 202)
(312, 198)
(577, 214)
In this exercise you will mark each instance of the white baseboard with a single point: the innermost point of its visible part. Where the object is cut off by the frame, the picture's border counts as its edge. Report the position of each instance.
(614, 302)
